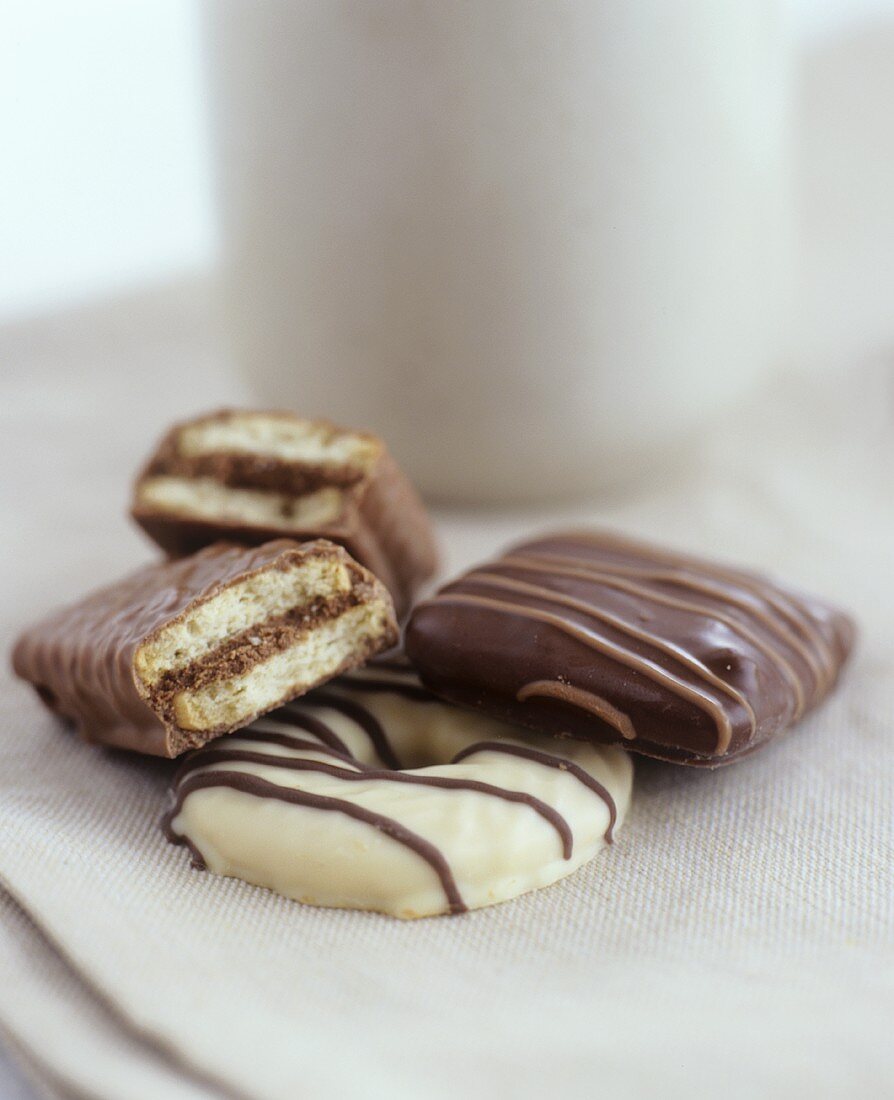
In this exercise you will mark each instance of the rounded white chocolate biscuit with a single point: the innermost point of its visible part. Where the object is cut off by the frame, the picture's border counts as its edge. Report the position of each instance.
(371, 794)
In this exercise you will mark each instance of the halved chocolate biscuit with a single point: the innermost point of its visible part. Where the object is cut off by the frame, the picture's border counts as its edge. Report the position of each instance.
(253, 476)
(183, 651)
(595, 636)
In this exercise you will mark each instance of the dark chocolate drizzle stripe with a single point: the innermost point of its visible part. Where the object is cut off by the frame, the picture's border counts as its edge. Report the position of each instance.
(807, 640)
(252, 737)
(196, 758)
(598, 576)
(293, 763)
(260, 788)
(294, 717)
(676, 652)
(550, 761)
(694, 694)
(580, 697)
(364, 719)
(274, 737)
(199, 757)
(195, 856)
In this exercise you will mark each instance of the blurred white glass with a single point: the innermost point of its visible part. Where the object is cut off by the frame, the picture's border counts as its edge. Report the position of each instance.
(533, 243)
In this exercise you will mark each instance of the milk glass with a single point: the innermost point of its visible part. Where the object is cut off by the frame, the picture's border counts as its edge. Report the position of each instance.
(537, 244)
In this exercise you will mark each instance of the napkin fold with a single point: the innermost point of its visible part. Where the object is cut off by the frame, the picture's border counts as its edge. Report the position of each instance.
(70, 1040)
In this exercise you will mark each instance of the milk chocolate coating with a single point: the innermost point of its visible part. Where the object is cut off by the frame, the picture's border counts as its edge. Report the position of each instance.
(594, 636)
(383, 522)
(80, 660)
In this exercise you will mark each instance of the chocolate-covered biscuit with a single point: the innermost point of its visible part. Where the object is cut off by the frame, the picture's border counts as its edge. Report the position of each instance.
(595, 636)
(182, 651)
(372, 794)
(252, 476)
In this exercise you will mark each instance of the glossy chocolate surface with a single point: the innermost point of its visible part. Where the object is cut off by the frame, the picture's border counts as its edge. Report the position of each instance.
(594, 636)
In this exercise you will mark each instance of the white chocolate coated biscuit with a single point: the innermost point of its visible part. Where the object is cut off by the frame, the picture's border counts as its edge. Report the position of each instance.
(370, 794)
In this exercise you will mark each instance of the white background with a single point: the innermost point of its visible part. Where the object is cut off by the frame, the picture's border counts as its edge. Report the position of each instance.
(105, 179)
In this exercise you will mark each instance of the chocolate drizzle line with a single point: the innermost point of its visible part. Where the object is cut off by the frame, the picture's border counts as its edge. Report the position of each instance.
(212, 754)
(579, 697)
(741, 657)
(549, 761)
(607, 577)
(364, 719)
(647, 667)
(780, 602)
(260, 788)
(344, 766)
(553, 817)
(256, 734)
(674, 651)
(791, 626)
(313, 725)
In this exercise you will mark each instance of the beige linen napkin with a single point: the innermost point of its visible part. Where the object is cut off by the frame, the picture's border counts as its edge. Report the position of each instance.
(72, 1043)
(737, 940)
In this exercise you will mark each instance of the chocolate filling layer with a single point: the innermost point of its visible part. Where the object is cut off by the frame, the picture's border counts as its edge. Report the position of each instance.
(248, 649)
(248, 471)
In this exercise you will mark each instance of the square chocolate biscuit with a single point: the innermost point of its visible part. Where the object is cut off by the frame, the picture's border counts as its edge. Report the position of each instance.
(591, 635)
